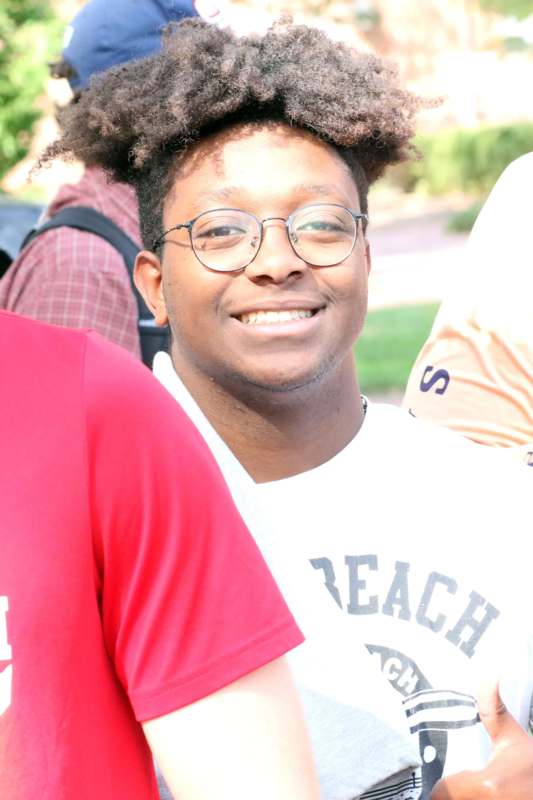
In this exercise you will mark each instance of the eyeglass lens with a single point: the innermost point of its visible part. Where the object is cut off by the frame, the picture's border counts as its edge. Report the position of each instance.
(227, 239)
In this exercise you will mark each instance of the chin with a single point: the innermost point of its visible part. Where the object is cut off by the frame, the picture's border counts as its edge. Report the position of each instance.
(281, 383)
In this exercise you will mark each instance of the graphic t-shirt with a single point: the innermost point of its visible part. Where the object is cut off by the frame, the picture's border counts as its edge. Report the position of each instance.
(421, 541)
(129, 586)
(475, 372)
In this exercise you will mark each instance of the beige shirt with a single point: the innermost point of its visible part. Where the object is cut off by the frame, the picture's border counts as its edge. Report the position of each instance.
(475, 372)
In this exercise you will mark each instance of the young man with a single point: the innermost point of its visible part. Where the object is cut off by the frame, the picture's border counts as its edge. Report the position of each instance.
(252, 167)
(132, 598)
(475, 372)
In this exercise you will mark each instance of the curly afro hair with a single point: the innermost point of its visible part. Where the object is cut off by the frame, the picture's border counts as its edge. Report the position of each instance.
(136, 118)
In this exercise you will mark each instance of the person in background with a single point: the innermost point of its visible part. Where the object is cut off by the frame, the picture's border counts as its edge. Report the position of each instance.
(475, 372)
(73, 277)
(135, 609)
(252, 168)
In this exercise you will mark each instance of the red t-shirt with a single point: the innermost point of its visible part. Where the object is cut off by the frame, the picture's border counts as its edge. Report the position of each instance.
(128, 584)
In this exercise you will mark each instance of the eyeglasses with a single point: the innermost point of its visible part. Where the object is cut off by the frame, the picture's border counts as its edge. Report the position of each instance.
(228, 239)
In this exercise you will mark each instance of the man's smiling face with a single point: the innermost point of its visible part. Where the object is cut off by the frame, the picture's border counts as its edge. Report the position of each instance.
(279, 324)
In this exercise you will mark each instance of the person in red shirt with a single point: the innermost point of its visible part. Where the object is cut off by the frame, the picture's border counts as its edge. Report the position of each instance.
(134, 605)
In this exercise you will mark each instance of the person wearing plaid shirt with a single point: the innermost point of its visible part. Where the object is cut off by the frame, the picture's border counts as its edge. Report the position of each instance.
(71, 277)
(74, 278)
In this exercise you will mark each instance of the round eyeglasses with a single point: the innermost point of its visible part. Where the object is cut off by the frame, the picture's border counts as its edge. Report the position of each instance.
(228, 239)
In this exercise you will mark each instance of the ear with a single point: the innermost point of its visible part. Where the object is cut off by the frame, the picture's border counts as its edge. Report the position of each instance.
(148, 278)
(368, 257)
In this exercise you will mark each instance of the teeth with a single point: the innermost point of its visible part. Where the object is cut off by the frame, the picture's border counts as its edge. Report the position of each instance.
(271, 317)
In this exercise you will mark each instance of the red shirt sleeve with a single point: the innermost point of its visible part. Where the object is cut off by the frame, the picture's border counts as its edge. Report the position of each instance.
(187, 602)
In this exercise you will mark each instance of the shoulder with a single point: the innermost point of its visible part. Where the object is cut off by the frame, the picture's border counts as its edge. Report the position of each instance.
(126, 404)
(422, 446)
(509, 197)
(41, 369)
(70, 251)
(114, 378)
(116, 390)
(519, 173)
(442, 486)
(37, 348)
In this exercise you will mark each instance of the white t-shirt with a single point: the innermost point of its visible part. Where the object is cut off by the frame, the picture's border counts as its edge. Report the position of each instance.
(421, 541)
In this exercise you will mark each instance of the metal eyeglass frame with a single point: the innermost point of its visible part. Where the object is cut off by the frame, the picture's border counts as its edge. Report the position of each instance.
(357, 216)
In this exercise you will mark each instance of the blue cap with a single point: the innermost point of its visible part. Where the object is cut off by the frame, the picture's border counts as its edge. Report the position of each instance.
(110, 32)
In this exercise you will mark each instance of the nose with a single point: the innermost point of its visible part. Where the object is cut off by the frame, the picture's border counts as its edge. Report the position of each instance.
(276, 261)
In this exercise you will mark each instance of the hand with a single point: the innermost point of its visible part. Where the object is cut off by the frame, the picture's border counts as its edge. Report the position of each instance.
(509, 773)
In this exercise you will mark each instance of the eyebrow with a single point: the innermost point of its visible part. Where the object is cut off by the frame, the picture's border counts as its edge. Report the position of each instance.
(320, 189)
(220, 194)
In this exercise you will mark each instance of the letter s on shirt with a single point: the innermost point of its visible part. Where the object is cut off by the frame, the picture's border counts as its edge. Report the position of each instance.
(441, 376)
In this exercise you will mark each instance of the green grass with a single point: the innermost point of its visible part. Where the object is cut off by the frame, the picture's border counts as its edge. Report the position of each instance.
(463, 221)
(389, 345)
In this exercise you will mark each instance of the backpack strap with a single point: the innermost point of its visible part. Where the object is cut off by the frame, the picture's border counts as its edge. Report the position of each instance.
(152, 337)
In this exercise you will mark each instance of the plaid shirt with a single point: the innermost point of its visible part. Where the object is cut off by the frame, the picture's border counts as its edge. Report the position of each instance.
(74, 278)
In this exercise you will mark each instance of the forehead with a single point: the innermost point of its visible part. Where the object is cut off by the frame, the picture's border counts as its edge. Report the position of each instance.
(260, 163)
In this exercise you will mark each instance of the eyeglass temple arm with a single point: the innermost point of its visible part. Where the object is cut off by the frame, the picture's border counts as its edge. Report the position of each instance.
(187, 225)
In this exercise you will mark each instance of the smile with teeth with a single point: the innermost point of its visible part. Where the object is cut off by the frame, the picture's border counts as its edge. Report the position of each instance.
(272, 317)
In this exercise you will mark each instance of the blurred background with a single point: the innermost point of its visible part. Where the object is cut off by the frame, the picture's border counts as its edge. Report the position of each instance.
(475, 55)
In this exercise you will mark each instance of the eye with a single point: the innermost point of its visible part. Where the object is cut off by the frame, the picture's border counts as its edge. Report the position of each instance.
(219, 231)
(322, 221)
(319, 225)
(323, 228)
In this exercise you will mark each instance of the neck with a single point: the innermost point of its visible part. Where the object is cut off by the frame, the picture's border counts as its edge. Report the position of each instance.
(275, 435)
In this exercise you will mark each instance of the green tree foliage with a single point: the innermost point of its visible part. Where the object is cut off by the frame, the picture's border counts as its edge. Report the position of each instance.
(29, 37)
(509, 8)
(467, 160)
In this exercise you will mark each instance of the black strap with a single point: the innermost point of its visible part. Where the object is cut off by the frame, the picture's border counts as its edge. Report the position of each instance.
(152, 336)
